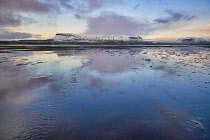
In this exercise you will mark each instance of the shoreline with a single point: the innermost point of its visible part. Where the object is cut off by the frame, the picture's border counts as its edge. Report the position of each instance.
(46, 47)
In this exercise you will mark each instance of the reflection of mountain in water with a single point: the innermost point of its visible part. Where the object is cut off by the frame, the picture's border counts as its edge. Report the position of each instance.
(142, 93)
(170, 60)
(186, 59)
(132, 51)
(69, 52)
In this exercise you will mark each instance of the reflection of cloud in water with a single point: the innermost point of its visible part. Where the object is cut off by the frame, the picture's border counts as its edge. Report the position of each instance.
(17, 91)
(173, 60)
(117, 61)
(165, 69)
(106, 61)
(20, 53)
(17, 83)
(103, 62)
(65, 112)
(97, 82)
(55, 87)
(22, 98)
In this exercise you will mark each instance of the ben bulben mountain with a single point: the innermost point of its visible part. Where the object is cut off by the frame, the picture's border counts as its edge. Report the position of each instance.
(87, 37)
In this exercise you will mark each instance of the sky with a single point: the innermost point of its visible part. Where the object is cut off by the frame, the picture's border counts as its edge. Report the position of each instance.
(151, 19)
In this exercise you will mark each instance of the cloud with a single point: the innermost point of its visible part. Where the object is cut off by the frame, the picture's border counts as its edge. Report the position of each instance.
(78, 16)
(25, 5)
(205, 28)
(136, 7)
(111, 23)
(14, 35)
(202, 31)
(116, 25)
(37, 36)
(11, 19)
(13, 29)
(66, 4)
(97, 4)
(86, 6)
(174, 17)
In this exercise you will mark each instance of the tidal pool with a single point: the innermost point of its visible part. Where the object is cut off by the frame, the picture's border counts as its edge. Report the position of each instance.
(105, 94)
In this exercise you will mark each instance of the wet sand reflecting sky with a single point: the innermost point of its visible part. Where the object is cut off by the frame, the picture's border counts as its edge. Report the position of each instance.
(134, 93)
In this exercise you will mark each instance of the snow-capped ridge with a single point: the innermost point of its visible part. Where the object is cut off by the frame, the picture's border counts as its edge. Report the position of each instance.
(191, 40)
(88, 37)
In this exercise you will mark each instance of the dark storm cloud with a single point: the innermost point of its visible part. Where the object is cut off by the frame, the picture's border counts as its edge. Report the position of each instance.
(116, 25)
(14, 35)
(11, 19)
(25, 5)
(174, 17)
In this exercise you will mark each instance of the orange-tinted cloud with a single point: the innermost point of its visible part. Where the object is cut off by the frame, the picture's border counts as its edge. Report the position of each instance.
(14, 29)
(170, 35)
(205, 28)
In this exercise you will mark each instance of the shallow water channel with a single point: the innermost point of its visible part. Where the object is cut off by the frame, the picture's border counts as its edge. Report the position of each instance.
(105, 94)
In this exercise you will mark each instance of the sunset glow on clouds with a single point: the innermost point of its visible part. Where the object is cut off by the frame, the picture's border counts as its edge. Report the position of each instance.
(151, 19)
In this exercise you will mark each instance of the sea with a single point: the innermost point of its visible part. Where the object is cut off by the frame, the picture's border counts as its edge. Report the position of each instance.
(105, 93)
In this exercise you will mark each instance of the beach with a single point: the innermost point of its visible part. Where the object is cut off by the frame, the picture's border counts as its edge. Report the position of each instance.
(126, 92)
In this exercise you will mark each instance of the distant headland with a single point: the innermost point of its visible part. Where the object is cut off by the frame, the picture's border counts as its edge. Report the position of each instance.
(88, 37)
(117, 40)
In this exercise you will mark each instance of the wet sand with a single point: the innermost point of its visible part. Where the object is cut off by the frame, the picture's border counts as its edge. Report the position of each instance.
(91, 93)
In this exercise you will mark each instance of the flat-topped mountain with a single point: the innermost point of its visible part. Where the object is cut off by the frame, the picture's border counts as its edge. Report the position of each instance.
(87, 37)
(191, 40)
